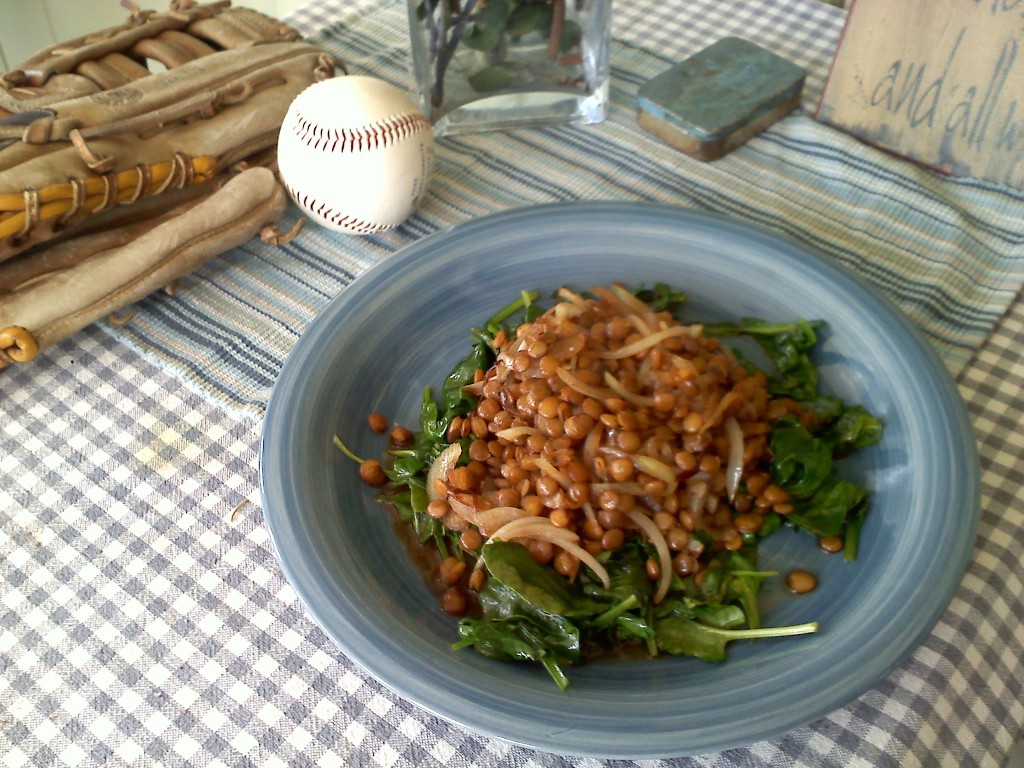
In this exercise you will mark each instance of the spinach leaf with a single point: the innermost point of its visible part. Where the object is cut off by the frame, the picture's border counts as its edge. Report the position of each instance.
(801, 462)
(823, 504)
(410, 503)
(547, 633)
(510, 640)
(854, 522)
(511, 564)
(627, 574)
(431, 439)
(726, 616)
(690, 637)
(457, 401)
(825, 408)
(631, 628)
(497, 639)
(730, 583)
(687, 637)
(742, 583)
(407, 467)
(845, 428)
(524, 613)
(721, 609)
(630, 591)
(855, 428)
(826, 512)
(787, 345)
(683, 624)
(660, 297)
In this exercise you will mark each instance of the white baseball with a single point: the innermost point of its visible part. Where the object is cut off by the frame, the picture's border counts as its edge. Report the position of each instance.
(355, 154)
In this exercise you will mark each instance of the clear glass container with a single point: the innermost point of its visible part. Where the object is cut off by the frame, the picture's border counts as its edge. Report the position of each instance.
(493, 64)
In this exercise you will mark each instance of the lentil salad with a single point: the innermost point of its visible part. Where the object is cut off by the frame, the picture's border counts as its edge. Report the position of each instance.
(597, 475)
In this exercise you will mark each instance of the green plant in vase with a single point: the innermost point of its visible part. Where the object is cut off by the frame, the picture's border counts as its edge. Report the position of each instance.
(501, 45)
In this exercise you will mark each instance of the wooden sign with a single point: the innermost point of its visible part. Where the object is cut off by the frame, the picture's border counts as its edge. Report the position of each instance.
(938, 81)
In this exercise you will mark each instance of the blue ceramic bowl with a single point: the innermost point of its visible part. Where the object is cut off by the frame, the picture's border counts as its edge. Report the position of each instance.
(403, 325)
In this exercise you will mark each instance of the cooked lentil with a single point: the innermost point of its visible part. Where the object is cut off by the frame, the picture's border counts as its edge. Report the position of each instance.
(372, 473)
(801, 582)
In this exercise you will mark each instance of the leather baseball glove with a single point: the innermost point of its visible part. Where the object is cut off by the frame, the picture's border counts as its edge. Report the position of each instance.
(133, 155)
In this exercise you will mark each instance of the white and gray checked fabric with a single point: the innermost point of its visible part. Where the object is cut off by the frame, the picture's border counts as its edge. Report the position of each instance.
(144, 620)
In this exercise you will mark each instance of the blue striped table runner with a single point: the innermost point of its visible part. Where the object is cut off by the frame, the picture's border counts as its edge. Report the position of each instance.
(949, 251)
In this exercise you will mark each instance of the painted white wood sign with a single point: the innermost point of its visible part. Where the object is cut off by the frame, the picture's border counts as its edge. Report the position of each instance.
(938, 81)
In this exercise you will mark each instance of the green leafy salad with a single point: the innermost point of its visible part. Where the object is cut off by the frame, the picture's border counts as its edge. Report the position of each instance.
(595, 477)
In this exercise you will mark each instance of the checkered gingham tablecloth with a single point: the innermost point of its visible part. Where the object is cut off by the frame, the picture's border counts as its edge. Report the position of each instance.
(144, 619)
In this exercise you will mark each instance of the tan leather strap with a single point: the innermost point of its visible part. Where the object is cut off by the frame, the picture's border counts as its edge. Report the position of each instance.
(274, 235)
(172, 48)
(112, 71)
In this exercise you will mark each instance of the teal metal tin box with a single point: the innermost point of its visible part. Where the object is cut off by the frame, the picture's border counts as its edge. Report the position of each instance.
(719, 98)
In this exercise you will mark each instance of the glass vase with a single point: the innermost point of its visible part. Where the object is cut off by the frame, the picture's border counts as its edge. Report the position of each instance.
(494, 64)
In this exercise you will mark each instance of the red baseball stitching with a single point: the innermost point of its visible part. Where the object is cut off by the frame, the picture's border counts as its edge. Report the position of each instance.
(359, 226)
(372, 136)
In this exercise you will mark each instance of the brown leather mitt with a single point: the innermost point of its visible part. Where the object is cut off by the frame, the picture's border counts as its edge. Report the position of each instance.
(116, 179)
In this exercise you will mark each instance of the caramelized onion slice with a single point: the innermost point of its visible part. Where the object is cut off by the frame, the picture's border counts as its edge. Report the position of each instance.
(646, 342)
(583, 388)
(641, 325)
(551, 470)
(727, 400)
(541, 528)
(565, 310)
(659, 470)
(625, 394)
(532, 527)
(634, 489)
(685, 365)
(514, 433)
(439, 469)
(486, 520)
(734, 467)
(658, 540)
(629, 299)
(569, 295)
